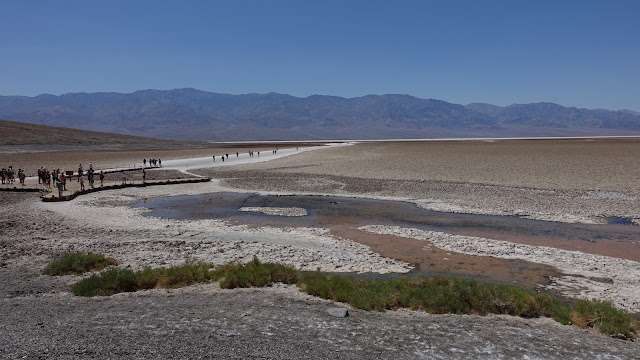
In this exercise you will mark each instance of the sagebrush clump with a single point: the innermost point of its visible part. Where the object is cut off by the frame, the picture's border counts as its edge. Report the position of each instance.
(78, 263)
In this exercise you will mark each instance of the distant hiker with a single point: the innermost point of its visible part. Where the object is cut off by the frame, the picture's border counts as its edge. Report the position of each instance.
(79, 171)
(60, 186)
(101, 177)
(81, 179)
(227, 156)
(237, 155)
(144, 175)
(159, 162)
(214, 158)
(90, 174)
(2, 172)
(144, 162)
(21, 175)
(90, 166)
(258, 153)
(123, 175)
(63, 179)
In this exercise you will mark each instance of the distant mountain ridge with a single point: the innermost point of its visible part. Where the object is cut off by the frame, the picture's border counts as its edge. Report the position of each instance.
(190, 114)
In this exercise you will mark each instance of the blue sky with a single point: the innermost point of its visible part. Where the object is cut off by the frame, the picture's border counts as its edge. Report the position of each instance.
(575, 53)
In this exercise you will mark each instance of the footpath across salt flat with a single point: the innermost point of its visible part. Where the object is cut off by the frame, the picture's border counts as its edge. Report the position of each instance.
(184, 165)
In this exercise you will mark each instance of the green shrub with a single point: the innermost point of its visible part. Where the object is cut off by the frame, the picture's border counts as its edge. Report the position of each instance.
(107, 283)
(443, 295)
(438, 294)
(147, 278)
(604, 317)
(123, 280)
(78, 263)
(191, 272)
(255, 274)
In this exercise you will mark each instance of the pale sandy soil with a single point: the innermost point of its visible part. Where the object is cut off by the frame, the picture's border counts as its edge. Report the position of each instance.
(39, 317)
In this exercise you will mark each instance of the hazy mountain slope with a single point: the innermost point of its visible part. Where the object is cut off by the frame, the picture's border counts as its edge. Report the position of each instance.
(200, 115)
(24, 137)
(554, 115)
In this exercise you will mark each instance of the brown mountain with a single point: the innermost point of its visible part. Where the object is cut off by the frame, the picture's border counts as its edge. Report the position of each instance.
(24, 137)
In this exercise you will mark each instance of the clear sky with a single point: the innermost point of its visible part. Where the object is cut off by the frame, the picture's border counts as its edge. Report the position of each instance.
(574, 53)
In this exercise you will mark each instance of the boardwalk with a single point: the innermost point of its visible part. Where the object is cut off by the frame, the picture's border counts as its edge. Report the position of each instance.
(50, 193)
(73, 192)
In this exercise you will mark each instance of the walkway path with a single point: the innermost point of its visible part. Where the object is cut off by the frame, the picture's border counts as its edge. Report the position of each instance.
(184, 165)
(134, 175)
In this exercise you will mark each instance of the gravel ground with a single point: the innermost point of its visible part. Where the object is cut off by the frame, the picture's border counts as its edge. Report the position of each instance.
(275, 323)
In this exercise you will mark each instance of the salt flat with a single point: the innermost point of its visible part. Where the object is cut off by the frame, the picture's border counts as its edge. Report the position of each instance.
(562, 180)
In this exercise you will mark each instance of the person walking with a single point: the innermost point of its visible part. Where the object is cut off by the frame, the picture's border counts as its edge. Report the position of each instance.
(60, 187)
(63, 179)
(81, 180)
(101, 176)
(21, 175)
(124, 177)
(90, 175)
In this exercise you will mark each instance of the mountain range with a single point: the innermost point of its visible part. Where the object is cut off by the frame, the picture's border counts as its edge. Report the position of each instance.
(190, 114)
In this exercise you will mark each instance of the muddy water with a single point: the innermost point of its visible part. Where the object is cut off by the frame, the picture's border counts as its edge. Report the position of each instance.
(344, 215)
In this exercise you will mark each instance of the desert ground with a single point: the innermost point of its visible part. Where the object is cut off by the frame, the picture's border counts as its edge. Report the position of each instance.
(584, 181)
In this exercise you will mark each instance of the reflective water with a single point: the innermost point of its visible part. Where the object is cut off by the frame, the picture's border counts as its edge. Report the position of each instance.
(617, 239)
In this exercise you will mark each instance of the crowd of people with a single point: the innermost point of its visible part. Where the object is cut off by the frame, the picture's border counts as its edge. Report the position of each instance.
(152, 162)
(53, 177)
(251, 154)
(8, 176)
(58, 178)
